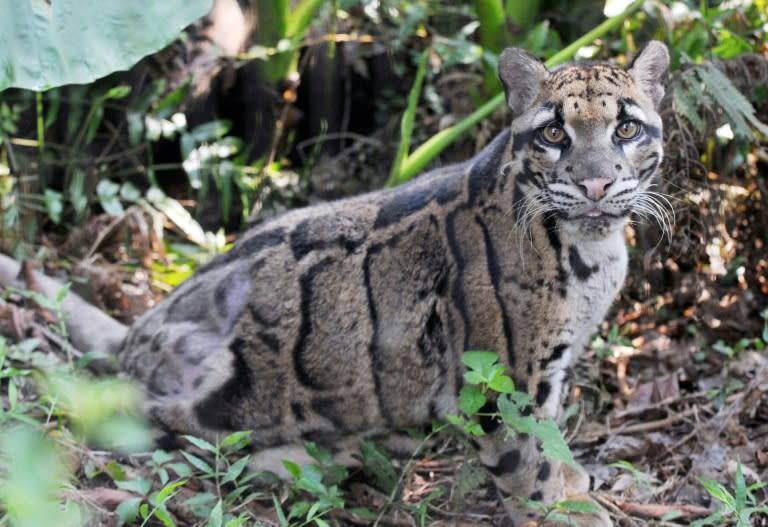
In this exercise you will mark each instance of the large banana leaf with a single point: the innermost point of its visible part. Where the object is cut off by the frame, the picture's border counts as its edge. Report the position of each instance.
(48, 43)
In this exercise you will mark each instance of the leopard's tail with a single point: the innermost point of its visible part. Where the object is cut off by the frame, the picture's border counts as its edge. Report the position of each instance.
(90, 329)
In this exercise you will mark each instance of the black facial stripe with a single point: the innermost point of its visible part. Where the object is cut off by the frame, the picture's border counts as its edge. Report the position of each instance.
(653, 131)
(522, 139)
(560, 194)
(623, 103)
(559, 113)
(623, 193)
(648, 172)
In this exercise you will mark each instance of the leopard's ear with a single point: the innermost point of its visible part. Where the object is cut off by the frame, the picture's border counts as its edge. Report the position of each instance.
(521, 75)
(649, 68)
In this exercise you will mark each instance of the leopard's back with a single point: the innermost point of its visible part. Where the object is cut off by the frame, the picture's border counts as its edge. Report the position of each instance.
(324, 322)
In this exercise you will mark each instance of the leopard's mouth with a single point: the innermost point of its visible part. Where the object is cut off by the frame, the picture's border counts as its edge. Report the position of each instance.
(595, 214)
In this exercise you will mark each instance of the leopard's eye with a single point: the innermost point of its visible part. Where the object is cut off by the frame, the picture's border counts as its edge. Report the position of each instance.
(553, 133)
(628, 129)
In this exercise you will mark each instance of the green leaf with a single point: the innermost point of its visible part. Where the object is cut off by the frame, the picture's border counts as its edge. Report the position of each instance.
(13, 394)
(738, 109)
(292, 468)
(53, 202)
(202, 444)
(311, 480)
(107, 192)
(741, 489)
(299, 509)
(479, 360)
(48, 44)
(471, 399)
(166, 492)
(115, 471)
(118, 92)
(473, 377)
(237, 439)
(211, 130)
(407, 121)
(62, 293)
(164, 517)
(501, 383)
(128, 510)
(216, 517)
(279, 511)
(139, 486)
(198, 463)
(377, 466)
(719, 492)
(363, 513)
(236, 469)
(546, 431)
(161, 457)
(129, 192)
(686, 105)
(578, 506)
(322, 456)
(181, 469)
(203, 498)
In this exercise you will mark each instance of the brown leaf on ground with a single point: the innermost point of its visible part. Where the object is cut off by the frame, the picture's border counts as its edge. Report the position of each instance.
(659, 389)
(657, 511)
(102, 497)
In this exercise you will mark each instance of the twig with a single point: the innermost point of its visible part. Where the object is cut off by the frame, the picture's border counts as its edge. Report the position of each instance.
(650, 426)
(106, 232)
(658, 511)
(640, 427)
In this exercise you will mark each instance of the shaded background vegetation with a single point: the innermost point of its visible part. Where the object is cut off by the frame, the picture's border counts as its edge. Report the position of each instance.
(132, 181)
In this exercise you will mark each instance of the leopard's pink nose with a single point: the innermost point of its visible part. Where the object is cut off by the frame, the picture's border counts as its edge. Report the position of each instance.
(595, 187)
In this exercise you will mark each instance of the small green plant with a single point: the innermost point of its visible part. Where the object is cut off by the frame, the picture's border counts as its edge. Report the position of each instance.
(54, 305)
(561, 511)
(232, 483)
(731, 351)
(604, 346)
(147, 505)
(486, 380)
(737, 507)
(51, 405)
(642, 479)
(319, 482)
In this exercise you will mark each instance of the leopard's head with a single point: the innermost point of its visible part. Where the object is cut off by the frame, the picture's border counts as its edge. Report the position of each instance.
(587, 139)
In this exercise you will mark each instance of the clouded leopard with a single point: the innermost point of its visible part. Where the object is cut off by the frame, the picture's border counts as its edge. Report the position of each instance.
(350, 317)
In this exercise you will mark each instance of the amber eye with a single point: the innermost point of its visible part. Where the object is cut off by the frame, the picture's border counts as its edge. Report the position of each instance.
(628, 129)
(553, 133)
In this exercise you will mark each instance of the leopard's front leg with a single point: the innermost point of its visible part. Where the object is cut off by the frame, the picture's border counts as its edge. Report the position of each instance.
(528, 483)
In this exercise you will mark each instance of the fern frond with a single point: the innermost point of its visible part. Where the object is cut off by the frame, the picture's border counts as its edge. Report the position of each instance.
(686, 104)
(737, 108)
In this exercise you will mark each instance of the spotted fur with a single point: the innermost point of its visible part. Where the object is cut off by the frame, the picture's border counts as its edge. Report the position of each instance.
(350, 317)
